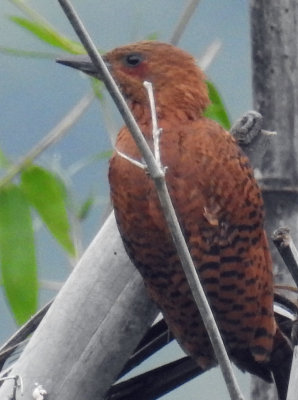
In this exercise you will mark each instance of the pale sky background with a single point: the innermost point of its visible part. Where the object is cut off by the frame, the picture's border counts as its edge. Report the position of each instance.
(35, 95)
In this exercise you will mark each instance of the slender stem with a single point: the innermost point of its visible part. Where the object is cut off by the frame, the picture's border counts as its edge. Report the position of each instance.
(209, 55)
(110, 85)
(198, 292)
(183, 21)
(168, 209)
(18, 384)
(155, 130)
(131, 160)
(57, 133)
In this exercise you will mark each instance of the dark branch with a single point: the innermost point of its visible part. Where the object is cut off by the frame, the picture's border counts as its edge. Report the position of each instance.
(157, 382)
(22, 334)
(284, 244)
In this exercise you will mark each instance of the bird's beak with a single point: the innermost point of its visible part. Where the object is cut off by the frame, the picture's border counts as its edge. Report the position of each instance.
(82, 63)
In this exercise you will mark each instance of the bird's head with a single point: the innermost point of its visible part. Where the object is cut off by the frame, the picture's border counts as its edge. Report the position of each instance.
(179, 85)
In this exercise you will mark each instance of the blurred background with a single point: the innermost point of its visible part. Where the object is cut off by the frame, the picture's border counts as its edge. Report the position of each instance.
(35, 93)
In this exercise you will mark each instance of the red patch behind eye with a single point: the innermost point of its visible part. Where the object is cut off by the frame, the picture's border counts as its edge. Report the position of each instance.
(138, 70)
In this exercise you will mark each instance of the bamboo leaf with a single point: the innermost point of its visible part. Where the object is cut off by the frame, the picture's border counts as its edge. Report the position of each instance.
(86, 208)
(152, 36)
(17, 253)
(26, 53)
(97, 87)
(216, 109)
(47, 194)
(4, 162)
(103, 155)
(48, 34)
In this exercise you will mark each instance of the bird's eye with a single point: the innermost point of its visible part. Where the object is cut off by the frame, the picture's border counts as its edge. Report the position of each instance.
(133, 59)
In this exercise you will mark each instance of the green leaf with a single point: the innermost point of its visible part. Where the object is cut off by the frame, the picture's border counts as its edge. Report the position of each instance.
(26, 54)
(4, 162)
(103, 155)
(152, 36)
(48, 195)
(86, 208)
(216, 109)
(17, 253)
(97, 87)
(48, 34)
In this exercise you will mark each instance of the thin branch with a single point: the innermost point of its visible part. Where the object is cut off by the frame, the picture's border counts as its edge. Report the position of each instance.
(158, 335)
(50, 285)
(111, 87)
(156, 338)
(156, 382)
(131, 160)
(156, 132)
(152, 384)
(284, 244)
(286, 288)
(209, 55)
(158, 176)
(18, 384)
(56, 134)
(183, 21)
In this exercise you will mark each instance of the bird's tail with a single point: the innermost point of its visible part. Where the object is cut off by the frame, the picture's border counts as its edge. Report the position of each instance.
(281, 362)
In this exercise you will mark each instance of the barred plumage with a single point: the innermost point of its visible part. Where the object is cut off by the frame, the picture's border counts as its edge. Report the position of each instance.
(218, 204)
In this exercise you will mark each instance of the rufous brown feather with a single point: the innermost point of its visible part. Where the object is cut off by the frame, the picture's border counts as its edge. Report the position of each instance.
(219, 206)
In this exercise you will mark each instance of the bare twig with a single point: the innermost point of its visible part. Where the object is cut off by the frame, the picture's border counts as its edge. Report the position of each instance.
(156, 382)
(130, 159)
(286, 288)
(185, 17)
(156, 338)
(57, 133)
(209, 55)
(158, 176)
(18, 384)
(111, 86)
(284, 244)
(50, 285)
(155, 130)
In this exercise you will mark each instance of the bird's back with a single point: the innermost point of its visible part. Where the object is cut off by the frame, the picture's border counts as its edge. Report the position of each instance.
(218, 204)
(220, 210)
